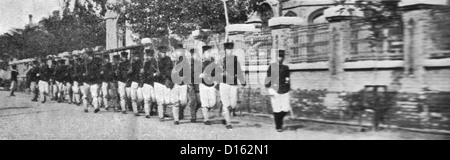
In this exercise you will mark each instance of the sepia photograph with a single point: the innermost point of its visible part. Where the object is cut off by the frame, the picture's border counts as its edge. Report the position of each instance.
(224, 70)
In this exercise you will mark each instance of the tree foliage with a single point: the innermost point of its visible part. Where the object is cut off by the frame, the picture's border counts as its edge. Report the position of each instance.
(82, 27)
(158, 18)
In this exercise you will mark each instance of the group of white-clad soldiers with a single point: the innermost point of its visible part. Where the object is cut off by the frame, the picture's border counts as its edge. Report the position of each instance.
(150, 78)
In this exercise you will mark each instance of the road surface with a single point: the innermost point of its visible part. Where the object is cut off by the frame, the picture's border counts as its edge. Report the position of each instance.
(21, 119)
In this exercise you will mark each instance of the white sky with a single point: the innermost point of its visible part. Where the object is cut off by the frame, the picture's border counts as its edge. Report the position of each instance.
(14, 13)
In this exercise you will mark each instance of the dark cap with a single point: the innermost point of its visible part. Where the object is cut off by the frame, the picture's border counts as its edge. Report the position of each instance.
(106, 56)
(149, 52)
(124, 54)
(206, 48)
(116, 56)
(162, 48)
(61, 60)
(96, 60)
(180, 46)
(281, 53)
(228, 45)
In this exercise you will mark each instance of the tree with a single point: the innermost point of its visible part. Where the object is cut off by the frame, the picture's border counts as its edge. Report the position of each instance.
(83, 27)
(157, 18)
(25, 43)
(381, 15)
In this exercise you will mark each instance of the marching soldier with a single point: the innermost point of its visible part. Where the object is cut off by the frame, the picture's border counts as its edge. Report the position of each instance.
(77, 77)
(94, 79)
(179, 96)
(61, 76)
(207, 87)
(232, 72)
(44, 78)
(86, 88)
(163, 82)
(114, 94)
(33, 78)
(68, 80)
(147, 80)
(107, 79)
(193, 87)
(121, 77)
(133, 78)
(53, 83)
(92, 84)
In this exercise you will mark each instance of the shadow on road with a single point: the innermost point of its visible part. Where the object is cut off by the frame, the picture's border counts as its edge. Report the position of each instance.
(11, 108)
(29, 113)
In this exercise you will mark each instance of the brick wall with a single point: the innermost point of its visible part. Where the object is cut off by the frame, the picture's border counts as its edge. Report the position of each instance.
(418, 90)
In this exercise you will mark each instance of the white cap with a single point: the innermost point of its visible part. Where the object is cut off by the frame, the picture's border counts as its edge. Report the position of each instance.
(146, 41)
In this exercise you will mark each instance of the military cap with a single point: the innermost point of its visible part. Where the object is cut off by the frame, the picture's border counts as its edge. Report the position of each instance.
(149, 51)
(162, 48)
(281, 53)
(106, 56)
(116, 56)
(228, 45)
(124, 54)
(206, 48)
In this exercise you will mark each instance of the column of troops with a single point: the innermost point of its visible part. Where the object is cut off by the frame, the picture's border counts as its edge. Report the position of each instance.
(143, 82)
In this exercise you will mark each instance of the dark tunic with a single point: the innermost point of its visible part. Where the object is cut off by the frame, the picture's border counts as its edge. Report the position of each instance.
(150, 68)
(230, 77)
(122, 70)
(44, 73)
(209, 70)
(108, 71)
(165, 65)
(32, 74)
(93, 74)
(284, 85)
(14, 75)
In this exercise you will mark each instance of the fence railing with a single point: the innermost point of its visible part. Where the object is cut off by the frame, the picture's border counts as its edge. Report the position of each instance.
(259, 48)
(439, 34)
(364, 47)
(310, 43)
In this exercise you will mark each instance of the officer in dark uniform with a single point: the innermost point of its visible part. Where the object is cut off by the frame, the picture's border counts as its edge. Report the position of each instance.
(33, 79)
(278, 84)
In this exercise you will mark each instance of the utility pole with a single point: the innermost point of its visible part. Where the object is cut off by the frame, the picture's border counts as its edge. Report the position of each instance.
(226, 19)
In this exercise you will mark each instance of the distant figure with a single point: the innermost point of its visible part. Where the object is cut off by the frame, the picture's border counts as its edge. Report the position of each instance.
(14, 74)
